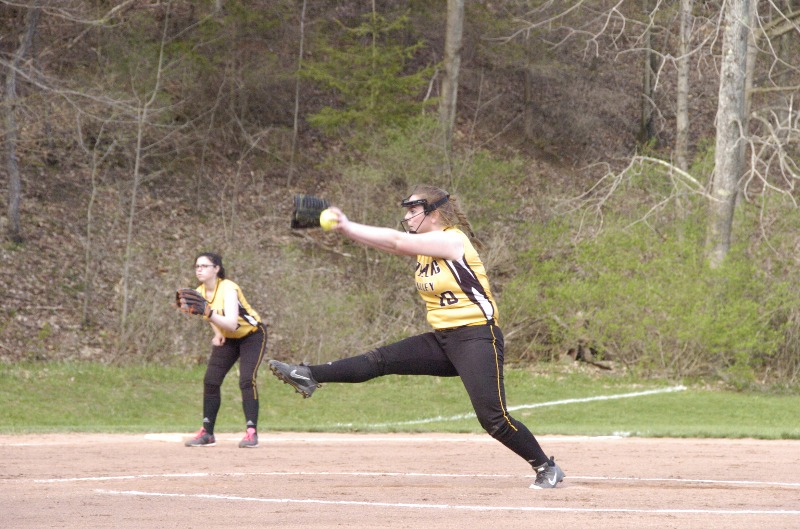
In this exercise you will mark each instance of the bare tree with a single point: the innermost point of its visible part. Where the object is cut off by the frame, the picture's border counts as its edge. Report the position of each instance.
(775, 119)
(730, 131)
(296, 117)
(766, 69)
(97, 159)
(649, 71)
(9, 104)
(682, 94)
(452, 65)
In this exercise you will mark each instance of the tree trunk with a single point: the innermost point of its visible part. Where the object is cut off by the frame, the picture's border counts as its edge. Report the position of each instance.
(752, 55)
(452, 64)
(682, 103)
(10, 103)
(648, 82)
(296, 120)
(529, 108)
(730, 122)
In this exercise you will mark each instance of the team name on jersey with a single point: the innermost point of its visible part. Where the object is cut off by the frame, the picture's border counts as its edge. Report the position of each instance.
(426, 271)
(429, 269)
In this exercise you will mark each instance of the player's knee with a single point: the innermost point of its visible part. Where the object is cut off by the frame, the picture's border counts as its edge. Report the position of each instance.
(211, 390)
(376, 362)
(213, 378)
(496, 426)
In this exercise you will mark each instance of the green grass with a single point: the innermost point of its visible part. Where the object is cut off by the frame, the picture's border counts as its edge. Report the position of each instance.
(89, 397)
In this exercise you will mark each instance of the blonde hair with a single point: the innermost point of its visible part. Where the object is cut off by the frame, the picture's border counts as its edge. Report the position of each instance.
(450, 212)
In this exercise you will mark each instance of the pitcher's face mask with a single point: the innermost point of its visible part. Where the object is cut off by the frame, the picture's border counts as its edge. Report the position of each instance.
(414, 211)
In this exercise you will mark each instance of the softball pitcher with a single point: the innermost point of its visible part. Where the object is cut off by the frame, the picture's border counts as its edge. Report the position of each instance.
(466, 340)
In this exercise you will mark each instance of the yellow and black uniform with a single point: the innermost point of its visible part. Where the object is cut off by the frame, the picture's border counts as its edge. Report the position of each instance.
(456, 293)
(246, 344)
(248, 318)
(466, 342)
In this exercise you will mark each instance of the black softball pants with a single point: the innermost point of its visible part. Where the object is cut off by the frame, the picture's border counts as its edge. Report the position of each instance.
(249, 351)
(473, 353)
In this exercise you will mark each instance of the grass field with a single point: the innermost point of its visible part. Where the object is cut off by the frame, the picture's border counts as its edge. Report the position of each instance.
(88, 397)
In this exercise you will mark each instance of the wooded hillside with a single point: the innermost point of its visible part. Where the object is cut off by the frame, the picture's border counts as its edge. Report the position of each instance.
(584, 145)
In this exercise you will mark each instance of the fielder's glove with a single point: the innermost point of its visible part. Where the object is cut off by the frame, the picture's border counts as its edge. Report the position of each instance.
(190, 301)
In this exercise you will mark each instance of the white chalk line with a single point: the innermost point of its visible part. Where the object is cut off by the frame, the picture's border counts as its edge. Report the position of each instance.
(312, 438)
(413, 475)
(377, 438)
(447, 506)
(471, 415)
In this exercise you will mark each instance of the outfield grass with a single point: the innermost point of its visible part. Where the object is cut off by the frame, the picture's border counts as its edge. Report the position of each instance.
(85, 397)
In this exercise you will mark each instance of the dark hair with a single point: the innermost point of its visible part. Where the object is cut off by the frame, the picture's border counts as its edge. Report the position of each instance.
(450, 211)
(216, 259)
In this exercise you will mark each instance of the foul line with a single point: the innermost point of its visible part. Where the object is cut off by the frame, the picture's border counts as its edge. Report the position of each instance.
(446, 506)
(413, 475)
(471, 415)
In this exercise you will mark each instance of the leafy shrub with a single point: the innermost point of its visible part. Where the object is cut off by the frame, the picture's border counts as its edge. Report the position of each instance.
(650, 303)
(637, 288)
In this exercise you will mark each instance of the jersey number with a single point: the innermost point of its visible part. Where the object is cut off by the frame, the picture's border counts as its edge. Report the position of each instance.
(447, 298)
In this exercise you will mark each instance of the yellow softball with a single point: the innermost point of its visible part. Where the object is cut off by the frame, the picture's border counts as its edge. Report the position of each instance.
(328, 220)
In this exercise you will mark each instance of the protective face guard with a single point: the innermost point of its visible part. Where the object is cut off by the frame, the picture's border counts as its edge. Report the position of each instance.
(426, 209)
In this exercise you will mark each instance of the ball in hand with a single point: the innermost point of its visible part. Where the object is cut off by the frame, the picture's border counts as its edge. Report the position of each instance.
(328, 220)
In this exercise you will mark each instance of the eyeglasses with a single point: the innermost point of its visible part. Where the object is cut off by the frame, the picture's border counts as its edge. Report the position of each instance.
(203, 266)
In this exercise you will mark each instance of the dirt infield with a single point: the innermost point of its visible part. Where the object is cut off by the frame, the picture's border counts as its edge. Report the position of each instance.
(393, 481)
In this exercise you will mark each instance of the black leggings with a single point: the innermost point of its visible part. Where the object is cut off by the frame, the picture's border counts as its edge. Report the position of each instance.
(473, 353)
(249, 351)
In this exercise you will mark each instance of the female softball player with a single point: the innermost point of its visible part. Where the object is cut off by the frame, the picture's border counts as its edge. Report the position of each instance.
(238, 335)
(466, 340)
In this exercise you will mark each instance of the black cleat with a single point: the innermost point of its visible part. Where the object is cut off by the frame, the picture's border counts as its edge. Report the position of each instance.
(297, 376)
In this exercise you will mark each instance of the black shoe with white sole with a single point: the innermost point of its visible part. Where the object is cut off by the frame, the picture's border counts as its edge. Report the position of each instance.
(297, 376)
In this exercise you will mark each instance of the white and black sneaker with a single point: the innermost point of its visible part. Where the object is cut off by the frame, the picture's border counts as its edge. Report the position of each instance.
(548, 476)
(297, 376)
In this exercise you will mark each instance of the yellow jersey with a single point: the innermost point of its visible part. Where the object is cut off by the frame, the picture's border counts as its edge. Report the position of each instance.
(248, 318)
(456, 293)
